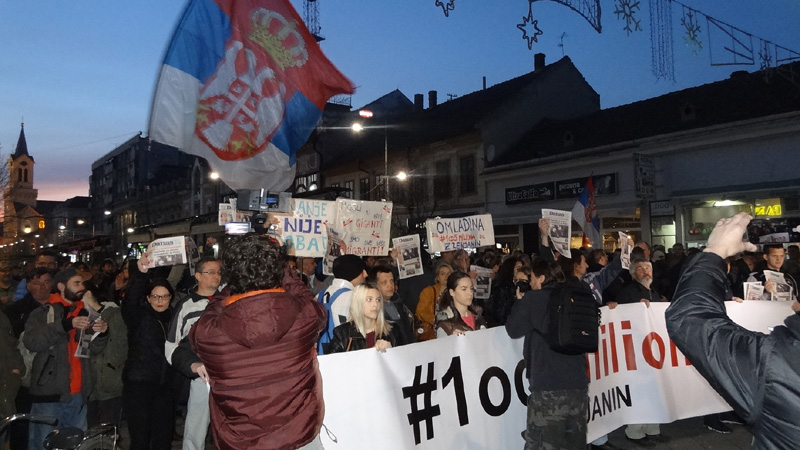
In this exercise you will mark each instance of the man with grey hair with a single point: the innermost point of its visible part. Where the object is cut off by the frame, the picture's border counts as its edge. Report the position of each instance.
(645, 435)
(642, 290)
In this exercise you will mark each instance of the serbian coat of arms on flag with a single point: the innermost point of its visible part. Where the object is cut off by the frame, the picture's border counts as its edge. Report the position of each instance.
(243, 84)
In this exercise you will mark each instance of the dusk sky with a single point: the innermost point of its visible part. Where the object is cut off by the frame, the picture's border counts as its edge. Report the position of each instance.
(81, 73)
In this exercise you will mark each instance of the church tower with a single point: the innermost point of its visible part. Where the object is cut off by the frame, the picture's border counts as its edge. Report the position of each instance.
(19, 195)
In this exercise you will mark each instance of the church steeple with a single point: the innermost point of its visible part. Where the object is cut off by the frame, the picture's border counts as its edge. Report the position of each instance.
(22, 144)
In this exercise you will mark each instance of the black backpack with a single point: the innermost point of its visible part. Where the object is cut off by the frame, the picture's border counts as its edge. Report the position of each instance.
(573, 320)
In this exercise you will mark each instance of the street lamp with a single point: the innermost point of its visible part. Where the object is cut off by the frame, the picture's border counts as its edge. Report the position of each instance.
(357, 127)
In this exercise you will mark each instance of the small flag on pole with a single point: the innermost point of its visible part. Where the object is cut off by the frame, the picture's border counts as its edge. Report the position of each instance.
(242, 85)
(585, 213)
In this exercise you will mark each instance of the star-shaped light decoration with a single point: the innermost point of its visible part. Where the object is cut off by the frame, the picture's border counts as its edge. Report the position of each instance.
(626, 10)
(692, 36)
(528, 22)
(446, 6)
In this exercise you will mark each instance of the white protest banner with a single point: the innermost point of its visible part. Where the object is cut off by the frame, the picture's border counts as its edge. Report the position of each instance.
(409, 262)
(461, 232)
(453, 392)
(364, 225)
(305, 231)
(560, 229)
(469, 391)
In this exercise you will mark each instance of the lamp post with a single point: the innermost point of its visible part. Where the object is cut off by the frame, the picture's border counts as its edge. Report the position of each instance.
(357, 127)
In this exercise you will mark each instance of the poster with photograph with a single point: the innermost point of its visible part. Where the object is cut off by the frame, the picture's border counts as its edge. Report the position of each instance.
(626, 246)
(409, 260)
(560, 229)
(783, 291)
(366, 226)
(483, 282)
(753, 290)
(227, 214)
(460, 232)
(167, 251)
(336, 248)
(85, 337)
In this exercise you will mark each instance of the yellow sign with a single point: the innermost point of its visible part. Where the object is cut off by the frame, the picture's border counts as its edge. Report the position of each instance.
(768, 210)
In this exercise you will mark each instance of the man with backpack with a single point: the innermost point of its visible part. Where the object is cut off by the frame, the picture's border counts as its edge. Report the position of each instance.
(558, 381)
(349, 271)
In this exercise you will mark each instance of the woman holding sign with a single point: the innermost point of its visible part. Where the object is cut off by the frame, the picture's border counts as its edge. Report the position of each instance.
(456, 308)
(367, 327)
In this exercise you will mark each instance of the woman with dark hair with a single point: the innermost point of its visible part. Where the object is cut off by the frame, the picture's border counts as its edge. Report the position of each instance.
(367, 327)
(498, 305)
(148, 377)
(457, 314)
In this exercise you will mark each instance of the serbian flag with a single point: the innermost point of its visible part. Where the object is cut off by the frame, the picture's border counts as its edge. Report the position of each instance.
(585, 213)
(243, 84)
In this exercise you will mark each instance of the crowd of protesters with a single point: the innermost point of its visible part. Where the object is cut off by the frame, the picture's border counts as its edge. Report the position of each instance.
(103, 343)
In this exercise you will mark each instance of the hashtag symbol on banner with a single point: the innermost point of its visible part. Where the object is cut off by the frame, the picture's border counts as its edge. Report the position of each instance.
(428, 412)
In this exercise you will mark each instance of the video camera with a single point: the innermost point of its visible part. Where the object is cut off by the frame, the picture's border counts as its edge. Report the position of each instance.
(261, 202)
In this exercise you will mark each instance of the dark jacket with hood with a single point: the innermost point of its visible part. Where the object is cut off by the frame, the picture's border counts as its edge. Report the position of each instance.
(259, 349)
(757, 374)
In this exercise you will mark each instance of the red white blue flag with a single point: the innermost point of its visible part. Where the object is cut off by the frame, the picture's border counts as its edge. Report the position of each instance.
(585, 213)
(243, 84)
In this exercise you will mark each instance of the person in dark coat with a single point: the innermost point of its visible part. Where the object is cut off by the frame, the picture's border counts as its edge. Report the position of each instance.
(757, 374)
(394, 308)
(148, 377)
(257, 340)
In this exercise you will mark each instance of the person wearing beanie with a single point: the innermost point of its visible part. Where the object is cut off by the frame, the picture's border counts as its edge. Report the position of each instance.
(349, 271)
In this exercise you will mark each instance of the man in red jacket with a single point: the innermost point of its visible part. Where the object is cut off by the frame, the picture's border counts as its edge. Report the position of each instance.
(257, 339)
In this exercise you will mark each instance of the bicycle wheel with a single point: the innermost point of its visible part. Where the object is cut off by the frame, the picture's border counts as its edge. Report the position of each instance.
(97, 442)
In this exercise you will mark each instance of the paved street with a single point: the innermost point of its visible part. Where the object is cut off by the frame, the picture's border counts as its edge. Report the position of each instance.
(688, 434)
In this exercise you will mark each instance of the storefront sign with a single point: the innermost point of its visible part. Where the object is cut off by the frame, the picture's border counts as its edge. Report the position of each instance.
(644, 176)
(662, 208)
(603, 185)
(531, 193)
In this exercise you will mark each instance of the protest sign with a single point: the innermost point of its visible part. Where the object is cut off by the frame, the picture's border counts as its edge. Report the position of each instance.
(167, 252)
(470, 391)
(305, 231)
(336, 248)
(364, 226)
(409, 262)
(457, 233)
(483, 281)
(626, 246)
(560, 229)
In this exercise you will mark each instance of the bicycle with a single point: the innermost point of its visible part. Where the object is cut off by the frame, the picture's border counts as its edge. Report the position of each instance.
(101, 437)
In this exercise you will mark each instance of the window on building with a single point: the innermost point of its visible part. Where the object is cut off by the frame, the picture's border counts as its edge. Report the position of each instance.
(467, 174)
(441, 183)
(349, 185)
(19, 175)
(363, 187)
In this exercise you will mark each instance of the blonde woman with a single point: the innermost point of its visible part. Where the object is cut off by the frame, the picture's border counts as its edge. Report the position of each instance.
(367, 327)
